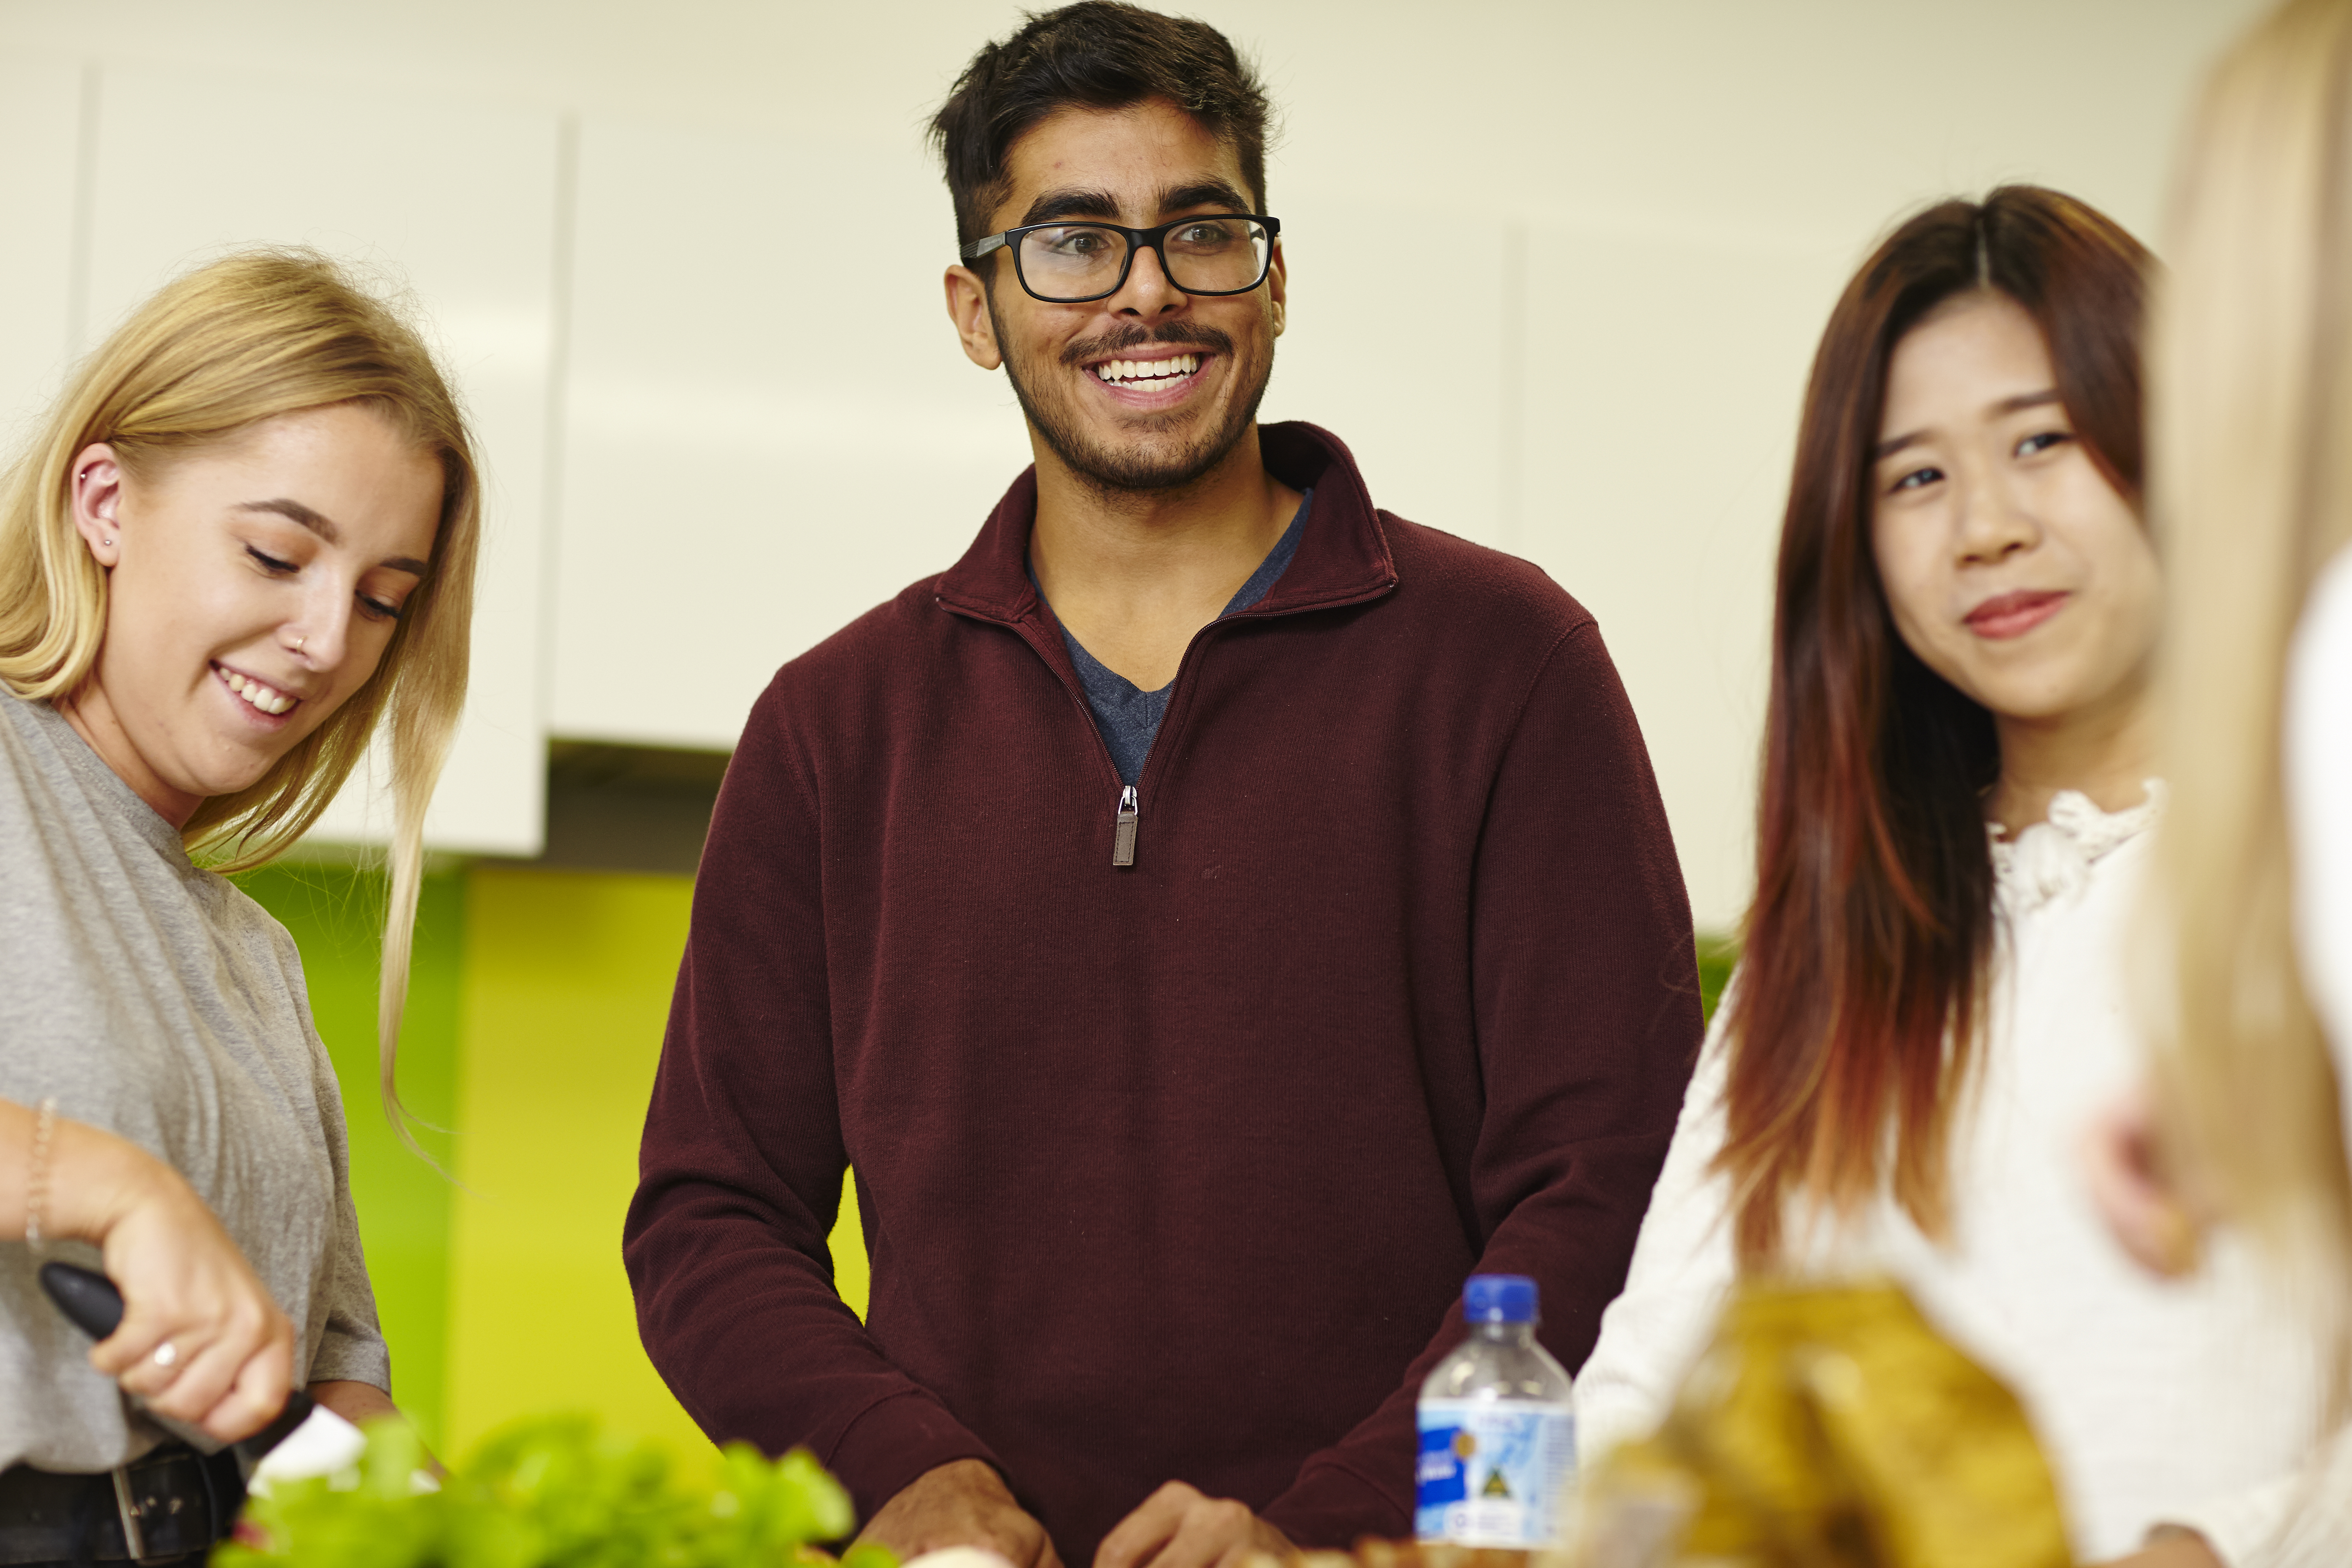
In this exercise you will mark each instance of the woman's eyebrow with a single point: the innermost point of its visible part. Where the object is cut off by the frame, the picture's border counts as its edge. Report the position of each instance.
(317, 522)
(2017, 405)
(2024, 400)
(324, 527)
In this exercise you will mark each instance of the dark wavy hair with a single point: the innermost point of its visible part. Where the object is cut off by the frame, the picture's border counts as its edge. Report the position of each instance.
(1854, 1022)
(1098, 54)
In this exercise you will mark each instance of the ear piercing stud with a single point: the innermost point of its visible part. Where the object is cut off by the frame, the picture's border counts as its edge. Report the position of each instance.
(83, 475)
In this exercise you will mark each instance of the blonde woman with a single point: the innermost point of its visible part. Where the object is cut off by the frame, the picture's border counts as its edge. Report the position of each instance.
(2252, 404)
(243, 539)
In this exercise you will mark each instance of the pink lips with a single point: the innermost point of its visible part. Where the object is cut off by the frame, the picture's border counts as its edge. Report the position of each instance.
(2015, 614)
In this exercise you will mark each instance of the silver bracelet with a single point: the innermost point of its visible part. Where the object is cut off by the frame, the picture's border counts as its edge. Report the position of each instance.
(37, 1182)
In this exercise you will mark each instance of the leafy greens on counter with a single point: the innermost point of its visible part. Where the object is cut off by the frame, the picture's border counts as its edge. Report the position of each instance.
(550, 1492)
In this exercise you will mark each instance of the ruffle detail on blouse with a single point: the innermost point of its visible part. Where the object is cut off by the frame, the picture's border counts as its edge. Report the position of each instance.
(2051, 861)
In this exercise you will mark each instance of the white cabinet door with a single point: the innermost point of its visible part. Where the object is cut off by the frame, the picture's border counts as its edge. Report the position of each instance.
(40, 144)
(458, 203)
(1663, 375)
(1412, 374)
(769, 427)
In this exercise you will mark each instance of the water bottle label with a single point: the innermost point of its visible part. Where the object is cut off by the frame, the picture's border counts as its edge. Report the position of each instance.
(1493, 1473)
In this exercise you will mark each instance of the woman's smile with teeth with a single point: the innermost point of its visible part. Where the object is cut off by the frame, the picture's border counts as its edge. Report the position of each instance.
(1148, 372)
(267, 698)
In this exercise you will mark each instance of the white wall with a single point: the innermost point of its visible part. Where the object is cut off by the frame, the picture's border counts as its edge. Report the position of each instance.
(1556, 273)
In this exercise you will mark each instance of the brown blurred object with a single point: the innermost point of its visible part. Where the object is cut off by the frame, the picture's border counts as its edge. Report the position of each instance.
(1829, 1428)
(1374, 1553)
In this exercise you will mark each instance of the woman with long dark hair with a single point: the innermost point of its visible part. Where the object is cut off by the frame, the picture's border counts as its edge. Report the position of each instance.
(1953, 835)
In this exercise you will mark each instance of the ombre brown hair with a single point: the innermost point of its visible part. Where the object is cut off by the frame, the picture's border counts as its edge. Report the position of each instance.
(1855, 1022)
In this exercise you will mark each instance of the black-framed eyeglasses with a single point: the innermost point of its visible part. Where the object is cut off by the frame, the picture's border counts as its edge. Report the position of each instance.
(1070, 263)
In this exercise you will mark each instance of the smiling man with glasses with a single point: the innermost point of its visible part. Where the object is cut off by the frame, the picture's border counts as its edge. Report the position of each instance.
(1214, 918)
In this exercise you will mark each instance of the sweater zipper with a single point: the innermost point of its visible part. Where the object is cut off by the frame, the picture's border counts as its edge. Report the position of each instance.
(1122, 838)
(1130, 801)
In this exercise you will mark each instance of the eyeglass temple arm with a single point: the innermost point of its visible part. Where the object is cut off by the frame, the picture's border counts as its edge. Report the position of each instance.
(980, 248)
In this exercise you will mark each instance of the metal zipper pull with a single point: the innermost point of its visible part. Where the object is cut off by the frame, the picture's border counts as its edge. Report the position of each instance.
(1122, 842)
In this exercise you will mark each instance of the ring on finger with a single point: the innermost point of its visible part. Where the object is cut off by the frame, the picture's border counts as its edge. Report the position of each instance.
(166, 1353)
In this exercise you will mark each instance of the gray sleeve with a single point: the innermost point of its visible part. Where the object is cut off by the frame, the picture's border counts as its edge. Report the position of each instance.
(352, 1344)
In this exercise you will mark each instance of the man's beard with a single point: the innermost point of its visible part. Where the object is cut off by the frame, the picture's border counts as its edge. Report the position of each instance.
(1111, 469)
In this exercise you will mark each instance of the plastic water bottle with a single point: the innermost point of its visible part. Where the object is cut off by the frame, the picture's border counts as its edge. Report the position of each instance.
(1498, 1433)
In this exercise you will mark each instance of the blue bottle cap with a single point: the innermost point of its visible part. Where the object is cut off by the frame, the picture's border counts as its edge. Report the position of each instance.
(1500, 1299)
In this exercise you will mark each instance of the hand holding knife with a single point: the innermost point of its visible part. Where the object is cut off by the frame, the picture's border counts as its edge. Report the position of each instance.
(91, 1303)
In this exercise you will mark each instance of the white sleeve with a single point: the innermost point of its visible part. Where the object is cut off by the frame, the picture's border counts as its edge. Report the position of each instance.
(1683, 1270)
(2304, 1520)
(2319, 768)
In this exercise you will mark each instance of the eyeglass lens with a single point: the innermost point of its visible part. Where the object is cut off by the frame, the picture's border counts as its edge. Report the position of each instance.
(1082, 261)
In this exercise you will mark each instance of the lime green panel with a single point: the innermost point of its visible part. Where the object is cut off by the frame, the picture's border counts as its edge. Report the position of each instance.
(336, 915)
(1717, 957)
(568, 977)
(851, 1274)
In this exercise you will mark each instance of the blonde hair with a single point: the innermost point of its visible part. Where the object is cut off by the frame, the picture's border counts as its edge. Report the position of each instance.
(2252, 469)
(245, 339)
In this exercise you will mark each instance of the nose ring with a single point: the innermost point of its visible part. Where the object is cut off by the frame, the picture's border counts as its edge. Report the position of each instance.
(298, 642)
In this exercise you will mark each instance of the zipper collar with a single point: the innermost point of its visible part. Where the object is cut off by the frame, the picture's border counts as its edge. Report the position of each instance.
(1343, 552)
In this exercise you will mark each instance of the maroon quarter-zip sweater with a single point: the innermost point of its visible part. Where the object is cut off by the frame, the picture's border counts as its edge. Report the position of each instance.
(1173, 1170)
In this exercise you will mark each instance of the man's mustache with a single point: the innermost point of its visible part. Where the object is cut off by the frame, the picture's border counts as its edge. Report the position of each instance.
(1187, 334)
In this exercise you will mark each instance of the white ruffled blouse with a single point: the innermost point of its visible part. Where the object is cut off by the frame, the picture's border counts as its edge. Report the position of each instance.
(2155, 1402)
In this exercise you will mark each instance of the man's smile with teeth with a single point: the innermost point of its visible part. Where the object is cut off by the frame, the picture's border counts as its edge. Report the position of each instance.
(1148, 372)
(267, 698)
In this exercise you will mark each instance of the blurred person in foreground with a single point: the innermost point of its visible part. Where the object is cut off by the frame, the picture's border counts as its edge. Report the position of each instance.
(1954, 829)
(2252, 398)
(242, 540)
(1214, 918)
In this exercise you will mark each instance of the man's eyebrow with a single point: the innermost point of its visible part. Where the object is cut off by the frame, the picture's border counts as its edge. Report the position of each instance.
(1052, 206)
(324, 527)
(1204, 194)
(2018, 405)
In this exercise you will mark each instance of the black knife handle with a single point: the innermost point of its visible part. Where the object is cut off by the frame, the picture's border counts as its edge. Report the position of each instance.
(89, 1301)
(87, 1298)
